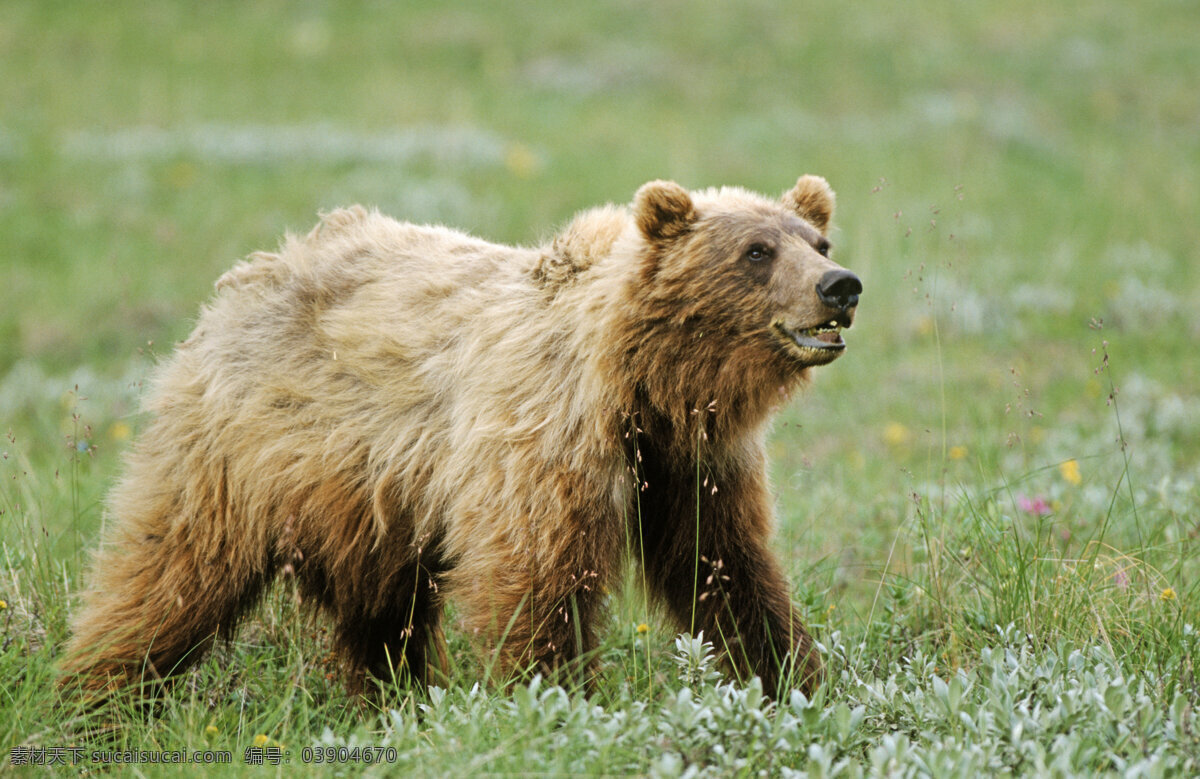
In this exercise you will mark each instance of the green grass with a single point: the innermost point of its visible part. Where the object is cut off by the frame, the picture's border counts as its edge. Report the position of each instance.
(1016, 187)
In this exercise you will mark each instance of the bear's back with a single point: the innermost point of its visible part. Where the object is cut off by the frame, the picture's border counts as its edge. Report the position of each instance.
(369, 323)
(361, 288)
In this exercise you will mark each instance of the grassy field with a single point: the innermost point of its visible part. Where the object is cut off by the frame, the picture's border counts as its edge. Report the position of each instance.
(990, 507)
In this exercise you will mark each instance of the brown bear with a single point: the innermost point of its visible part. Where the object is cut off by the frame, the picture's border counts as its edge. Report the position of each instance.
(399, 415)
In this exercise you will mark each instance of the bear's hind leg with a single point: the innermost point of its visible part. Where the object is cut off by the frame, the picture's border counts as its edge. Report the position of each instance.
(157, 601)
(397, 635)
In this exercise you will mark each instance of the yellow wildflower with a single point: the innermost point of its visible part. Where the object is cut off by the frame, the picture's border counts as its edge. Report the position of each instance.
(521, 161)
(643, 628)
(3, 605)
(1167, 594)
(211, 730)
(1070, 472)
(895, 434)
(261, 740)
(958, 452)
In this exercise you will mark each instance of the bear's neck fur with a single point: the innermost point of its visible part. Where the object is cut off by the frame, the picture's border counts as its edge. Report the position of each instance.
(715, 398)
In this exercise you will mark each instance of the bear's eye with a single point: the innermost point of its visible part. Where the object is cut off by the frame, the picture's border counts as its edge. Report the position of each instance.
(759, 252)
(823, 248)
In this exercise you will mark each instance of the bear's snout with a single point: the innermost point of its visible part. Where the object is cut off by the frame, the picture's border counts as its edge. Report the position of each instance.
(839, 289)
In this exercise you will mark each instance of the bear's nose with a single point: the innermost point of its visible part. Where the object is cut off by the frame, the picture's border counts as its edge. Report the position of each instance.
(839, 289)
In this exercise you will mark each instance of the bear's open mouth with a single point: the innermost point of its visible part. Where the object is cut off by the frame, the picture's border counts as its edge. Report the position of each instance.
(826, 337)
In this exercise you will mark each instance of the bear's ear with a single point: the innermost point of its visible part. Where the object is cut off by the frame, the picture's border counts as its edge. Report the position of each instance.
(663, 210)
(813, 200)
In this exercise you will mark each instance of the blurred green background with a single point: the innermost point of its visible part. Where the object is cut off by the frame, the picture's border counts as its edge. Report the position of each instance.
(1017, 187)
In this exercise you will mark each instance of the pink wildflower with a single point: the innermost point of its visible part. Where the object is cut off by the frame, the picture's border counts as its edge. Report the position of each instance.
(1038, 506)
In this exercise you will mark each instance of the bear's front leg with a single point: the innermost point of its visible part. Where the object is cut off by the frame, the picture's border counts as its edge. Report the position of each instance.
(714, 570)
(531, 599)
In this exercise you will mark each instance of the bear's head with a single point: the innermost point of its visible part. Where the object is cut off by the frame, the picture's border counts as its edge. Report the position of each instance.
(747, 275)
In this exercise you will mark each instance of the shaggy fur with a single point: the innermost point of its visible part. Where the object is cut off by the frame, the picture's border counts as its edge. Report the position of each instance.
(398, 415)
